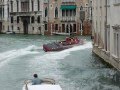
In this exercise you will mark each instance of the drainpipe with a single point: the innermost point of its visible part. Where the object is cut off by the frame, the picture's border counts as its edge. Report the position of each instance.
(106, 12)
(106, 26)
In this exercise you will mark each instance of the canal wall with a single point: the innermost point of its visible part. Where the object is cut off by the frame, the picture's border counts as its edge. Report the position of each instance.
(107, 57)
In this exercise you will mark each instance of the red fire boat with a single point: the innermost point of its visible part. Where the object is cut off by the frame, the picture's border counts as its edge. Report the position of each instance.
(69, 42)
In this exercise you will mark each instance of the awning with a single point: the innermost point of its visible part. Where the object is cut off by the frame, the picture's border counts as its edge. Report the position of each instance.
(68, 7)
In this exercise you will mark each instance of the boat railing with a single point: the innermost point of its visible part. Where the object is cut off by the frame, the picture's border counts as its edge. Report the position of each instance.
(45, 81)
(48, 81)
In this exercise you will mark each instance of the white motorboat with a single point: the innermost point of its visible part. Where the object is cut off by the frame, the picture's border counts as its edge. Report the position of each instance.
(10, 32)
(48, 84)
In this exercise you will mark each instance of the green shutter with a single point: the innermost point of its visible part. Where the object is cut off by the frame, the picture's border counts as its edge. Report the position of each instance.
(68, 7)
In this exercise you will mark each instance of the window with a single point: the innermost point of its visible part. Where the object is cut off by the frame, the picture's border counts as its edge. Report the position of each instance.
(8, 11)
(32, 19)
(32, 5)
(18, 28)
(24, 6)
(17, 6)
(11, 6)
(71, 12)
(46, 12)
(11, 19)
(39, 28)
(81, 8)
(56, 12)
(46, 27)
(74, 27)
(67, 13)
(38, 19)
(74, 12)
(17, 19)
(56, 27)
(38, 5)
(63, 13)
(32, 28)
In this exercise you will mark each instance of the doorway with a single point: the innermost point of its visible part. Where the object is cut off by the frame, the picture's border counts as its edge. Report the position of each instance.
(25, 26)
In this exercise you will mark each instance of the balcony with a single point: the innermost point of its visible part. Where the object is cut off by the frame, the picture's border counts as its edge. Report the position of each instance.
(25, 13)
(68, 19)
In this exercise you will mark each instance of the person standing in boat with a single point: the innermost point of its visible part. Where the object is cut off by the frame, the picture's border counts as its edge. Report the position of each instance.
(36, 80)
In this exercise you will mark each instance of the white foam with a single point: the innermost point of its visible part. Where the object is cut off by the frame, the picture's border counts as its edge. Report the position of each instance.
(33, 47)
(9, 55)
(98, 86)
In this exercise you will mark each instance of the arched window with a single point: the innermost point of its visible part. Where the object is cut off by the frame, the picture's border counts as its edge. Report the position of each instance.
(46, 12)
(32, 19)
(56, 12)
(81, 8)
(12, 19)
(38, 19)
(67, 29)
(17, 19)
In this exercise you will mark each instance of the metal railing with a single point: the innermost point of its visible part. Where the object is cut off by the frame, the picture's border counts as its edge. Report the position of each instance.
(68, 19)
(26, 13)
(68, 1)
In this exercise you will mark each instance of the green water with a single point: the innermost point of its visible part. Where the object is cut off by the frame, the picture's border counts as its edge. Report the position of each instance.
(74, 69)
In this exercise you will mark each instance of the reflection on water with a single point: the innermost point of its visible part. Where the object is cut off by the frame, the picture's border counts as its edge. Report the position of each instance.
(76, 68)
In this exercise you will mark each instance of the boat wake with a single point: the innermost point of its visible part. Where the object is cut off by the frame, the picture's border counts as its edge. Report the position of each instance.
(9, 55)
(64, 53)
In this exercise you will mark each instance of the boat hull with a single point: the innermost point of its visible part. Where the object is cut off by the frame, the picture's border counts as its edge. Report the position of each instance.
(62, 45)
(48, 84)
(42, 87)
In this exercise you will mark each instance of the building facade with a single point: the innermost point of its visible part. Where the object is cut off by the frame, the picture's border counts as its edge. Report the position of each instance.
(26, 16)
(46, 17)
(4, 16)
(106, 30)
(63, 17)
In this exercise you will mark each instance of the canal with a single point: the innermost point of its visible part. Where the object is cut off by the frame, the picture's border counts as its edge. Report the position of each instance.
(74, 69)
